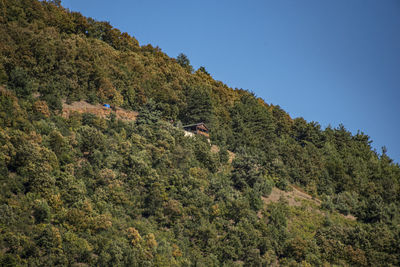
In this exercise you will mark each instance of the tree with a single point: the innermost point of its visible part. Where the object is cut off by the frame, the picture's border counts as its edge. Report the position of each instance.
(252, 125)
(199, 105)
(277, 224)
(90, 139)
(56, 2)
(21, 82)
(203, 69)
(184, 61)
(149, 113)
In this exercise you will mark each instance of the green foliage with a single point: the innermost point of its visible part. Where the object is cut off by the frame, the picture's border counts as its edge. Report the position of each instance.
(91, 190)
(199, 106)
(184, 61)
(41, 212)
(282, 184)
(20, 82)
(90, 139)
(3, 75)
(252, 126)
(247, 171)
(203, 69)
(149, 114)
(223, 155)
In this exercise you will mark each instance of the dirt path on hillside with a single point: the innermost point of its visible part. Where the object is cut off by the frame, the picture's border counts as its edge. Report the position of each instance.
(98, 110)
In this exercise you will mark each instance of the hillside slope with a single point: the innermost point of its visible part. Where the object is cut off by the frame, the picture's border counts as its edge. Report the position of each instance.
(98, 110)
(91, 189)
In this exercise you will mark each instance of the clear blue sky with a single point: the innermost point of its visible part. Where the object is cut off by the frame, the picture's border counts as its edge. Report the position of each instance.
(326, 61)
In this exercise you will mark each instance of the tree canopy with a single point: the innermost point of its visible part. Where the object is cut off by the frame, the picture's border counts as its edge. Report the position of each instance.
(87, 190)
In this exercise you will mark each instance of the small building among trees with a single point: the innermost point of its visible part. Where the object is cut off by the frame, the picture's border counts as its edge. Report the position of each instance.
(197, 128)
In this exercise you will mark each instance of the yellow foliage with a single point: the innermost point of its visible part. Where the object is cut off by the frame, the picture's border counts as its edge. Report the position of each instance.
(305, 264)
(108, 93)
(35, 137)
(87, 206)
(151, 241)
(107, 176)
(176, 252)
(102, 222)
(57, 236)
(55, 201)
(41, 107)
(7, 150)
(134, 235)
(215, 210)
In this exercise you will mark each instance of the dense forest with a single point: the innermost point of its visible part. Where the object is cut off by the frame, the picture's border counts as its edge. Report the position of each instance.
(87, 190)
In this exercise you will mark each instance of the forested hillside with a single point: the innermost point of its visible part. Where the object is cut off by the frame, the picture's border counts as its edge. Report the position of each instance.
(87, 190)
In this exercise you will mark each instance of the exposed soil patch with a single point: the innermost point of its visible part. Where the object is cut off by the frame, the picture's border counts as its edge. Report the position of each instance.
(98, 110)
(350, 217)
(293, 197)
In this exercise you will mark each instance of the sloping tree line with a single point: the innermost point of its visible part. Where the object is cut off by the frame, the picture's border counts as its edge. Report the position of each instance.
(106, 192)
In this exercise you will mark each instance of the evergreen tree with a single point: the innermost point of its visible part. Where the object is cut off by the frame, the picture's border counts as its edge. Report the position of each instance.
(184, 61)
(199, 105)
